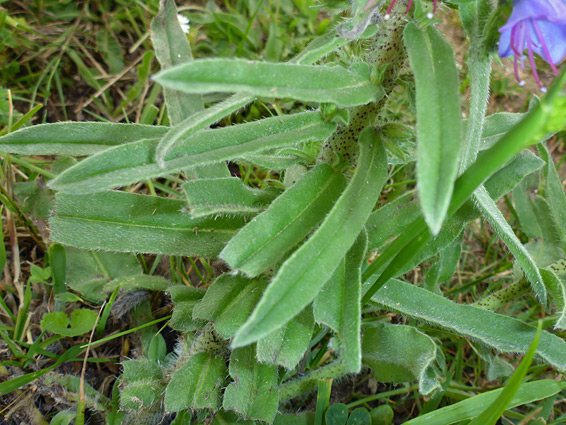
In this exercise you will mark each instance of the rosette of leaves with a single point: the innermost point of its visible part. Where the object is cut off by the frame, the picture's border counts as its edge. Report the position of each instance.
(297, 251)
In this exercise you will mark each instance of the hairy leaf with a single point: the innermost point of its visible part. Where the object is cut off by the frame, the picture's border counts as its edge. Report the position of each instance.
(127, 222)
(333, 84)
(289, 219)
(303, 274)
(438, 120)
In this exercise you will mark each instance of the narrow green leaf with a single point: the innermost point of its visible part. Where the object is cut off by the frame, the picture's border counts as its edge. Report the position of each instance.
(128, 164)
(75, 138)
(498, 223)
(445, 266)
(554, 192)
(289, 219)
(438, 120)
(329, 42)
(400, 354)
(496, 126)
(338, 304)
(196, 122)
(287, 345)
(303, 274)
(503, 333)
(528, 392)
(229, 301)
(494, 411)
(555, 280)
(226, 196)
(253, 394)
(197, 384)
(322, 400)
(127, 222)
(15, 383)
(543, 119)
(332, 84)
(58, 264)
(135, 283)
(172, 48)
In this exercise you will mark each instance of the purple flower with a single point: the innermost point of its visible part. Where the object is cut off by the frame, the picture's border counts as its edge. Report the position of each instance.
(539, 26)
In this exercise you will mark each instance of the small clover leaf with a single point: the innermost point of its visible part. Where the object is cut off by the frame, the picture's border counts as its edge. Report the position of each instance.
(82, 321)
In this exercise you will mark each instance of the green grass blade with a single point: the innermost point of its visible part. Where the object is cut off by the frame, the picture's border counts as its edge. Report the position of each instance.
(126, 222)
(289, 219)
(333, 84)
(303, 274)
(465, 410)
(503, 333)
(438, 120)
(494, 411)
(130, 163)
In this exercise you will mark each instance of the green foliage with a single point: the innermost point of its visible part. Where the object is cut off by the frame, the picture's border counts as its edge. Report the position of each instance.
(81, 321)
(266, 231)
(400, 354)
(438, 120)
(197, 384)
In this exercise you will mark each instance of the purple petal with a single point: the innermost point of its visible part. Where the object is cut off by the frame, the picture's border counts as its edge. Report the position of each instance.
(505, 49)
(548, 10)
(555, 38)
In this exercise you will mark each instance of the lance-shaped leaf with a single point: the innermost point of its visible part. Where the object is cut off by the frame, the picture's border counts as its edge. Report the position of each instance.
(197, 384)
(75, 138)
(332, 84)
(300, 278)
(503, 333)
(289, 219)
(400, 354)
(128, 164)
(172, 48)
(438, 120)
(229, 301)
(555, 280)
(338, 304)
(497, 221)
(198, 121)
(554, 191)
(127, 222)
(287, 345)
(226, 196)
(253, 394)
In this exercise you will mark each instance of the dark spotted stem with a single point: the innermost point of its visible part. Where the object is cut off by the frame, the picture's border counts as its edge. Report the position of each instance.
(388, 57)
(500, 298)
